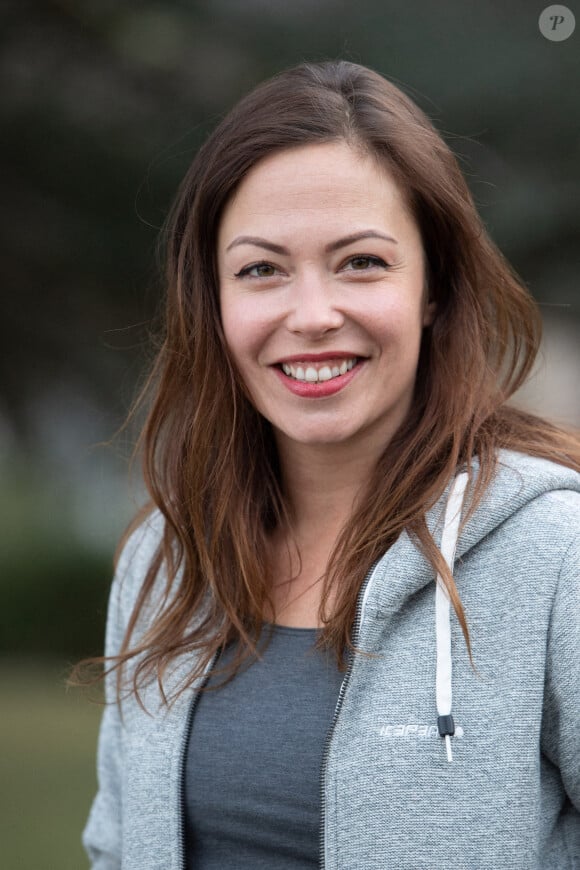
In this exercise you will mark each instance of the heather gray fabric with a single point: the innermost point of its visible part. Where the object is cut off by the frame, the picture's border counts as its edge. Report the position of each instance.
(252, 776)
(511, 798)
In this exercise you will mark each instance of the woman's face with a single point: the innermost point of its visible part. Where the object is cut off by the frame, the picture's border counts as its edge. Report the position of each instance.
(319, 258)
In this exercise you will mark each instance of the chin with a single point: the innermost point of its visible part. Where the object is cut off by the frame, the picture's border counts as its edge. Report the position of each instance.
(317, 439)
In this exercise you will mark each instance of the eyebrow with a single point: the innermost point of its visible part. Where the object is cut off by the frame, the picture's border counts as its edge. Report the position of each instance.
(333, 246)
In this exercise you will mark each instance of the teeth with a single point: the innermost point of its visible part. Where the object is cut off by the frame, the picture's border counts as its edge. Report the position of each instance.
(313, 376)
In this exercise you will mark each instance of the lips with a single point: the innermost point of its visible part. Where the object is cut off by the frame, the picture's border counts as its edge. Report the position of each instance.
(307, 389)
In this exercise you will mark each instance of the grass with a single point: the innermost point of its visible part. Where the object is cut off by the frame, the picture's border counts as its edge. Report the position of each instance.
(48, 736)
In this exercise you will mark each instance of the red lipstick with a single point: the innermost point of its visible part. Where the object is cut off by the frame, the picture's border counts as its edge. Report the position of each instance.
(308, 390)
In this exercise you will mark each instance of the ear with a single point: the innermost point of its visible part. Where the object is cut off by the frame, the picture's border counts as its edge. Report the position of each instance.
(429, 313)
(429, 304)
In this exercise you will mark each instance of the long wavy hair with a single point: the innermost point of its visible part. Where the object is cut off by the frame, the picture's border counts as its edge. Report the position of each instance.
(209, 458)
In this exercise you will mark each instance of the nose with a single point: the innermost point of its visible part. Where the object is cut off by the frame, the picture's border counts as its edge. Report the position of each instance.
(313, 306)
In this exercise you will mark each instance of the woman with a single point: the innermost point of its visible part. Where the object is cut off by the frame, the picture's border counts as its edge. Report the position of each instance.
(345, 632)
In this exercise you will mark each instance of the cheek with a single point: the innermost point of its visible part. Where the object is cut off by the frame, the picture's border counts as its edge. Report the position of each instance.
(244, 330)
(397, 325)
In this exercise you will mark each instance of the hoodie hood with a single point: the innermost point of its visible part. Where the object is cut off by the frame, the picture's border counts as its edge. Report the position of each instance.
(518, 481)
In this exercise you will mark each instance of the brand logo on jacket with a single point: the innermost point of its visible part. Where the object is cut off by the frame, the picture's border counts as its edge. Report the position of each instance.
(413, 729)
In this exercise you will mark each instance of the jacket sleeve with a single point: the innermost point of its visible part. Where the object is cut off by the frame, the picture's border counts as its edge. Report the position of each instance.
(561, 719)
(102, 836)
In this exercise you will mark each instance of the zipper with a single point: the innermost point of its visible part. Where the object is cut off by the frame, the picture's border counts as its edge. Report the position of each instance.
(182, 763)
(359, 613)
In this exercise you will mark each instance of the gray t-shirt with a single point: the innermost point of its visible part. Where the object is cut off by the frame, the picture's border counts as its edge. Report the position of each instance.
(252, 777)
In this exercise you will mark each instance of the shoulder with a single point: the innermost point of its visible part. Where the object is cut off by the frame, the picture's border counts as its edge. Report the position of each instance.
(141, 545)
(135, 559)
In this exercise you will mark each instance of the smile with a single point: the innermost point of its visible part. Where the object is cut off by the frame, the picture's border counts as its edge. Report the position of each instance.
(307, 383)
(310, 374)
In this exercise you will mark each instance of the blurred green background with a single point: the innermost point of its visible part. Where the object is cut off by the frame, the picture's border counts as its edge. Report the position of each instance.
(103, 105)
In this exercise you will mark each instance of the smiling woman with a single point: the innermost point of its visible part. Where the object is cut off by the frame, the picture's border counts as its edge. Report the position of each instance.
(346, 516)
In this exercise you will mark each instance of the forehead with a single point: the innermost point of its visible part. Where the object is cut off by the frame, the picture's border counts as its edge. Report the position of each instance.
(332, 181)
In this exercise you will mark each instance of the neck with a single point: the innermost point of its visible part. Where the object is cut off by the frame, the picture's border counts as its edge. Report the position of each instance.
(322, 488)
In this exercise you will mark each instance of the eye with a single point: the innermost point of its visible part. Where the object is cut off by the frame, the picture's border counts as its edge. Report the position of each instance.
(258, 270)
(364, 262)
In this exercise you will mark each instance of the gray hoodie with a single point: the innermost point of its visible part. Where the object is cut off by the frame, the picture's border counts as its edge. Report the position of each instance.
(502, 791)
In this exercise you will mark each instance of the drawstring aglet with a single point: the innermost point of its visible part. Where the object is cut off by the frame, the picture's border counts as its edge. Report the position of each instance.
(448, 745)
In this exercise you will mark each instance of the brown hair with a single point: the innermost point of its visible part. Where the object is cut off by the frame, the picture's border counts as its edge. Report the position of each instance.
(209, 458)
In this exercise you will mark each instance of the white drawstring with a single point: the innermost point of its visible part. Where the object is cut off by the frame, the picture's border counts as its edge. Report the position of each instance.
(442, 612)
